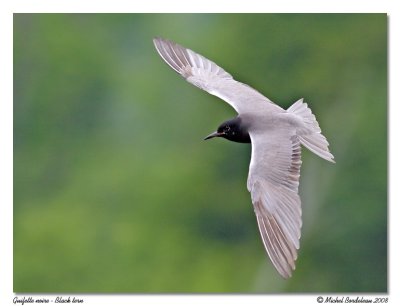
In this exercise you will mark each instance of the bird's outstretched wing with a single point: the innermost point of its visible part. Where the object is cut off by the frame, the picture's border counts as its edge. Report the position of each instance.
(273, 183)
(207, 75)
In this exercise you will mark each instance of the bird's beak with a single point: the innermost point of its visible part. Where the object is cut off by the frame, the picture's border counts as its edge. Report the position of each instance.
(214, 134)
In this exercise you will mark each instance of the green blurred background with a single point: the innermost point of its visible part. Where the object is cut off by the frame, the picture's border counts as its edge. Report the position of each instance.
(115, 190)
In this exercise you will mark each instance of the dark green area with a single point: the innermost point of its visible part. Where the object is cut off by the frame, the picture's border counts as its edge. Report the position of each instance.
(115, 190)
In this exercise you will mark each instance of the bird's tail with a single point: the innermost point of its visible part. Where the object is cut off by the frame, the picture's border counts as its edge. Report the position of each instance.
(311, 136)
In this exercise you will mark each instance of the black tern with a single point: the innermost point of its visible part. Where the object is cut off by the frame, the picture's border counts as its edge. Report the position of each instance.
(276, 136)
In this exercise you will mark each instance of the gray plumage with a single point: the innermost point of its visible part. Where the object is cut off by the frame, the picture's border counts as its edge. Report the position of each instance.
(276, 137)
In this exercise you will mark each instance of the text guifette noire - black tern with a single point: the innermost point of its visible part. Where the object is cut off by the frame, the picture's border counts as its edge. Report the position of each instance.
(276, 136)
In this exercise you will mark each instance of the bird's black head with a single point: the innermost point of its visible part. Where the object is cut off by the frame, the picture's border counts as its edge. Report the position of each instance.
(233, 130)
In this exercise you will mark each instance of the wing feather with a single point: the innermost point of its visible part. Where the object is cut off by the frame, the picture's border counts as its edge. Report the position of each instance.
(207, 75)
(273, 182)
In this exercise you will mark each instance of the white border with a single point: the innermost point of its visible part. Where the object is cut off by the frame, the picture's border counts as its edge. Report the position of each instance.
(204, 6)
(7, 8)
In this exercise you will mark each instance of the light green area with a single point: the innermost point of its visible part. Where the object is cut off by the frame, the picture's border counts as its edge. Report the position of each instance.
(115, 190)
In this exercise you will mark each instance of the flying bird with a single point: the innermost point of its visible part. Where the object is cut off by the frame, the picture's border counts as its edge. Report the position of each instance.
(276, 136)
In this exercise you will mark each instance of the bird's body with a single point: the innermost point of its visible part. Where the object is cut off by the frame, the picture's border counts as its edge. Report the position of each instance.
(276, 136)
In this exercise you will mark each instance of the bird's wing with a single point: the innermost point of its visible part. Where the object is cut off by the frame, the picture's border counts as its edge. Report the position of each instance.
(273, 183)
(208, 76)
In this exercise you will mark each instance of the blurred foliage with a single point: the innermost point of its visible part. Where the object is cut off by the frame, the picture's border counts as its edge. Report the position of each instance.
(115, 190)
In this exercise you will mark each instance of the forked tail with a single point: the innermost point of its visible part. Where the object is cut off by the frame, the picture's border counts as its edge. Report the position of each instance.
(311, 136)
